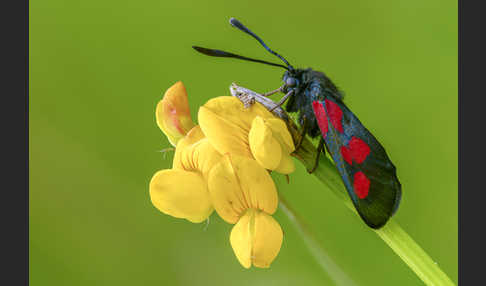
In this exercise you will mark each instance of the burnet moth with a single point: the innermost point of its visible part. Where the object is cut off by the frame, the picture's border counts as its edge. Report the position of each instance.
(367, 173)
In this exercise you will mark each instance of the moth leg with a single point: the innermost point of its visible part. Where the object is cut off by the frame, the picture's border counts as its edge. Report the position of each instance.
(283, 100)
(320, 148)
(274, 91)
(303, 132)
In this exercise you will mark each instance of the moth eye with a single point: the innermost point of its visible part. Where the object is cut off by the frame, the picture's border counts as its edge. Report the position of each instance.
(290, 82)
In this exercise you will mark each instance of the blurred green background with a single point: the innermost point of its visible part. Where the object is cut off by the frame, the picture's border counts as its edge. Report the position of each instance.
(98, 68)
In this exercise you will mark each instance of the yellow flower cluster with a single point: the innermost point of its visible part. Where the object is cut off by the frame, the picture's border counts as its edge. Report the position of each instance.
(222, 164)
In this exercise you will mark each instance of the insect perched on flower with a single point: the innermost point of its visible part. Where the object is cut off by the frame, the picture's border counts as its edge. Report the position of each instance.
(367, 173)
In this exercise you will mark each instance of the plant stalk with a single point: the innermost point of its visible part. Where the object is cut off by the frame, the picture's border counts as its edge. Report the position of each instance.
(325, 262)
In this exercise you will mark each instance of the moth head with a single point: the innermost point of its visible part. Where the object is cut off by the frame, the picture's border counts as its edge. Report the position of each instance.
(292, 80)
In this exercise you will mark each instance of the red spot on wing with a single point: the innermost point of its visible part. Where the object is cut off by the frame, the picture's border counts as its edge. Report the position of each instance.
(321, 116)
(335, 115)
(361, 185)
(359, 149)
(346, 155)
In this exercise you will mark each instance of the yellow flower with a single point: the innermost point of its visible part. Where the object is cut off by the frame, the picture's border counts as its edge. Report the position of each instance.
(240, 190)
(252, 132)
(172, 113)
(222, 165)
(182, 191)
(243, 192)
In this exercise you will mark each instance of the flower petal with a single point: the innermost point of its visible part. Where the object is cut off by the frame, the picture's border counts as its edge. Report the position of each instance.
(281, 134)
(286, 165)
(226, 123)
(256, 239)
(256, 183)
(264, 147)
(232, 109)
(237, 183)
(224, 135)
(241, 238)
(225, 191)
(181, 194)
(200, 157)
(267, 240)
(192, 137)
(172, 113)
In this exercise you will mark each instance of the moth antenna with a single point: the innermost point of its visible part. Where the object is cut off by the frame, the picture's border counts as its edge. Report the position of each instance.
(239, 25)
(219, 53)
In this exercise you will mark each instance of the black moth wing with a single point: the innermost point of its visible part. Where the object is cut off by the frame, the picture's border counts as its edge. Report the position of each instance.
(384, 191)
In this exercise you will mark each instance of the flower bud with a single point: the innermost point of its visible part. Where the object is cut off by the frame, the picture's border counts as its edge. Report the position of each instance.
(172, 113)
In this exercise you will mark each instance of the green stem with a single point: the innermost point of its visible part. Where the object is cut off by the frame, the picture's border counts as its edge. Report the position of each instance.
(327, 264)
(412, 254)
(392, 234)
